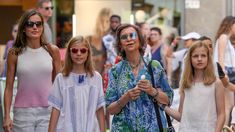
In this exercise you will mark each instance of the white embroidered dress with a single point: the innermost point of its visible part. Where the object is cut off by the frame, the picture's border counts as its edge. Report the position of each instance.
(77, 97)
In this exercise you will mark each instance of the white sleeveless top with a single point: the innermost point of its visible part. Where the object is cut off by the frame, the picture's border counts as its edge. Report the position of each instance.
(34, 72)
(199, 109)
(229, 54)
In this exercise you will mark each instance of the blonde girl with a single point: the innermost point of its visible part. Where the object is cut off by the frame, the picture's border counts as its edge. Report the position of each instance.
(201, 106)
(77, 97)
(224, 53)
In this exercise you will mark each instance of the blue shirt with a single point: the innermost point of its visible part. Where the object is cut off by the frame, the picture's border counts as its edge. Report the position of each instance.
(138, 115)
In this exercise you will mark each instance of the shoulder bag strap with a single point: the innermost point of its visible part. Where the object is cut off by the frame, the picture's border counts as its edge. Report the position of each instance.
(156, 107)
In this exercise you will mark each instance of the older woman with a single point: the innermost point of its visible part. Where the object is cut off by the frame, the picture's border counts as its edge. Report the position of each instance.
(128, 97)
(35, 62)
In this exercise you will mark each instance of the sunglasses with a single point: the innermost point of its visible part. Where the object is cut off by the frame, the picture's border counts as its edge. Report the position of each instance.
(75, 50)
(31, 24)
(47, 8)
(131, 35)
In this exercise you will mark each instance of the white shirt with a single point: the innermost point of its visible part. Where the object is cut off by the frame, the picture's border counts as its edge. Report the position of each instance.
(178, 58)
(78, 97)
(229, 54)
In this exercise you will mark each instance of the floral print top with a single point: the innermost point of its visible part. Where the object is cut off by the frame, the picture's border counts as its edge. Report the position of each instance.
(138, 115)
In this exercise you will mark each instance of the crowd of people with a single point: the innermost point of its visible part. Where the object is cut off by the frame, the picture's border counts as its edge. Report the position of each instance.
(121, 78)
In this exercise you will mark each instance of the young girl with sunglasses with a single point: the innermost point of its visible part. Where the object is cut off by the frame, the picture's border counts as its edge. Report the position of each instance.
(77, 97)
(201, 106)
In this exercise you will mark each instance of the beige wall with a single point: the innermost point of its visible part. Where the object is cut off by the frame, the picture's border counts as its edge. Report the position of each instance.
(86, 12)
(205, 20)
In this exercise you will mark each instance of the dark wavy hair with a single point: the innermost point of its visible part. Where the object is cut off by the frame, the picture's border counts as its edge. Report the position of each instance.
(140, 37)
(21, 43)
(225, 26)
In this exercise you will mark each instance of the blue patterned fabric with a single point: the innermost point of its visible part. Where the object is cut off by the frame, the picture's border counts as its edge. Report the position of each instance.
(138, 115)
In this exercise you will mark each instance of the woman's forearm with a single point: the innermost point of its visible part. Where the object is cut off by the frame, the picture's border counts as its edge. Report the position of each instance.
(7, 102)
(162, 97)
(117, 106)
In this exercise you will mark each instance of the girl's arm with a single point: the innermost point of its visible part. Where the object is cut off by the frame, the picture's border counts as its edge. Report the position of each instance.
(176, 114)
(220, 107)
(11, 68)
(55, 113)
(101, 119)
(222, 42)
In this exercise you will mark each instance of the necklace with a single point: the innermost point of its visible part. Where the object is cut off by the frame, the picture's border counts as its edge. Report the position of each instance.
(133, 66)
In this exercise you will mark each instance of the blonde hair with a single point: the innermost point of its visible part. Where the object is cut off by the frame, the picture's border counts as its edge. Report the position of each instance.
(188, 74)
(68, 65)
(103, 16)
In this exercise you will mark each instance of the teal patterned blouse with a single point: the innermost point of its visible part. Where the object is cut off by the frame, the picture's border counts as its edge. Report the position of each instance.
(138, 115)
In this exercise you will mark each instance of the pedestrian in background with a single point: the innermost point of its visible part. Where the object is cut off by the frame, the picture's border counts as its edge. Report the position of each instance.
(77, 97)
(128, 97)
(145, 31)
(98, 49)
(208, 42)
(46, 9)
(35, 63)
(9, 45)
(224, 53)
(199, 86)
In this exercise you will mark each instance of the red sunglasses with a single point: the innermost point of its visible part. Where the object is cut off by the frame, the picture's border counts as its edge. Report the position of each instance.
(75, 50)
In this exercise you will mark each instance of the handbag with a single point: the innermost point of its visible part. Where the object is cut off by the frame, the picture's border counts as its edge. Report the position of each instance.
(156, 106)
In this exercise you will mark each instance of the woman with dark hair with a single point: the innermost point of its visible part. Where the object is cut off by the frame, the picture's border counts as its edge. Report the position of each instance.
(130, 91)
(224, 53)
(208, 42)
(158, 48)
(35, 63)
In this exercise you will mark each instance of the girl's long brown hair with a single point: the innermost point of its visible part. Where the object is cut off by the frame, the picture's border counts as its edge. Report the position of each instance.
(188, 72)
(225, 26)
(68, 66)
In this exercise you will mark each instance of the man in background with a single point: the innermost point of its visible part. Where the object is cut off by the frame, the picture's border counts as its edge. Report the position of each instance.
(109, 42)
(46, 9)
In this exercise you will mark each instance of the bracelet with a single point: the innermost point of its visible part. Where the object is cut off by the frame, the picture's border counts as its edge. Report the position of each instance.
(155, 93)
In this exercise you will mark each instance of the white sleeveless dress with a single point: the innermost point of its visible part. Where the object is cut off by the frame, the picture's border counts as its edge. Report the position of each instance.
(199, 109)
